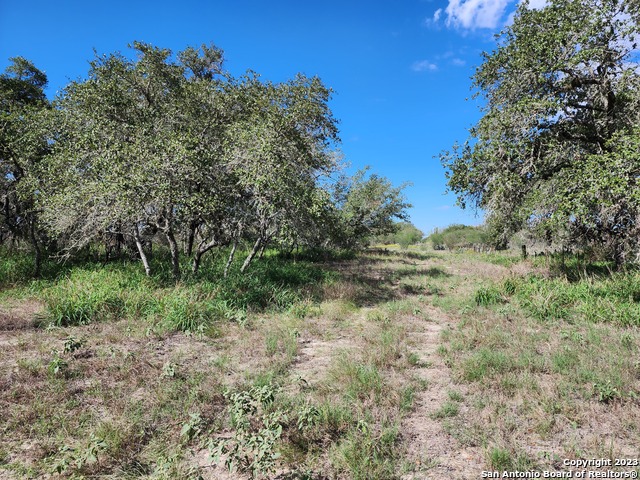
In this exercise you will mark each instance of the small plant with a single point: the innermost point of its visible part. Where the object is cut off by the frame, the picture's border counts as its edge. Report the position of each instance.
(71, 344)
(271, 343)
(308, 417)
(368, 452)
(413, 359)
(448, 409)
(500, 459)
(57, 365)
(252, 446)
(510, 286)
(407, 398)
(454, 396)
(606, 392)
(488, 296)
(79, 458)
(192, 428)
(169, 370)
(627, 340)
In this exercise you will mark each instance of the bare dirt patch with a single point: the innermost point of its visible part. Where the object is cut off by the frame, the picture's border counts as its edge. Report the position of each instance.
(315, 357)
(19, 315)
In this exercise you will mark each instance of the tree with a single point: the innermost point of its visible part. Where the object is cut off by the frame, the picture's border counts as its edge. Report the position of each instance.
(406, 234)
(134, 148)
(280, 150)
(367, 207)
(553, 150)
(176, 147)
(458, 236)
(22, 146)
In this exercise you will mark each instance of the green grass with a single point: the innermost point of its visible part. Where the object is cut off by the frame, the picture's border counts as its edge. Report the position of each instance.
(486, 296)
(368, 452)
(448, 409)
(614, 298)
(531, 358)
(88, 292)
(485, 362)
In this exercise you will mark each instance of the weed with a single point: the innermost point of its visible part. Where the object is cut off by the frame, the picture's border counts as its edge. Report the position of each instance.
(377, 316)
(78, 458)
(606, 392)
(271, 343)
(500, 459)
(169, 370)
(413, 359)
(627, 340)
(488, 296)
(368, 453)
(192, 428)
(57, 365)
(485, 363)
(251, 447)
(510, 286)
(454, 396)
(71, 344)
(407, 398)
(387, 347)
(362, 380)
(282, 340)
(448, 409)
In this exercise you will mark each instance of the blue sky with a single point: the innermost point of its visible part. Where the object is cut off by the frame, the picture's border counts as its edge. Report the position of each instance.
(400, 70)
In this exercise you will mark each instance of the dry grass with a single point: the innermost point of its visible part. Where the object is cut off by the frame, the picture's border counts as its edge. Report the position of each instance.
(391, 371)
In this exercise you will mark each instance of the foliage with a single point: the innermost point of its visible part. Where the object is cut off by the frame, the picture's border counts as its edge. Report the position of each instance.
(22, 146)
(368, 453)
(256, 432)
(93, 292)
(458, 236)
(171, 149)
(367, 206)
(488, 296)
(613, 299)
(556, 149)
(406, 234)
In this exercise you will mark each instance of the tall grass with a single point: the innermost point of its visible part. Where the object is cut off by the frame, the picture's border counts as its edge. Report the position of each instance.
(95, 292)
(615, 298)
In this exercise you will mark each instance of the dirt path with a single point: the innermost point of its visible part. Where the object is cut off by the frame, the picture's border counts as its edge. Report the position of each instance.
(430, 449)
(431, 452)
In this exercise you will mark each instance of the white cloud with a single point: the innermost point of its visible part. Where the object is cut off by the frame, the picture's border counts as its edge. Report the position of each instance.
(424, 66)
(472, 14)
(434, 20)
(458, 62)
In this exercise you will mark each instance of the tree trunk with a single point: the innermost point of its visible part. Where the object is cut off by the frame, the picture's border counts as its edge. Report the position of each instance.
(252, 254)
(262, 248)
(143, 256)
(202, 249)
(191, 235)
(175, 254)
(36, 248)
(230, 260)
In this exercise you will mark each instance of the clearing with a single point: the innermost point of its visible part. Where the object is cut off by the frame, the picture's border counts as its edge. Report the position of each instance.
(402, 364)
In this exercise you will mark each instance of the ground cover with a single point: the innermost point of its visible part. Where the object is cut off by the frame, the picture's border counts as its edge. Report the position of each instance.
(393, 364)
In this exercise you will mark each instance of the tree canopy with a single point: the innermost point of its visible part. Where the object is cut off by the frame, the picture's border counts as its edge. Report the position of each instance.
(22, 146)
(172, 147)
(556, 149)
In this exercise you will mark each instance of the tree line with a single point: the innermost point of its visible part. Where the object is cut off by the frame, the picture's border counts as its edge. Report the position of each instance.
(174, 147)
(557, 150)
